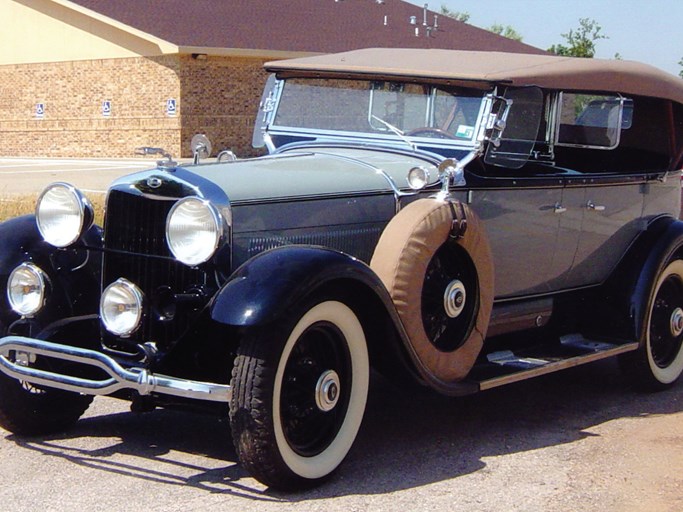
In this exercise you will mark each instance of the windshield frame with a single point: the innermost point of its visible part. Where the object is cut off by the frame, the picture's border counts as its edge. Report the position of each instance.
(378, 132)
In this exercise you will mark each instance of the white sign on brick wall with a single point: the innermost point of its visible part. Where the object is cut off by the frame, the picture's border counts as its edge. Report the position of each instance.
(171, 107)
(40, 110)
(106, 108)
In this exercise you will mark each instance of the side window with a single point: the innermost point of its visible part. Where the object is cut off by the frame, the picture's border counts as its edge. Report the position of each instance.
(592, 121)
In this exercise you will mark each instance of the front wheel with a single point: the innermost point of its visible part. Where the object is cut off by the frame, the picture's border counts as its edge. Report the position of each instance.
(31, 410)
(658, 363)
(299, 389)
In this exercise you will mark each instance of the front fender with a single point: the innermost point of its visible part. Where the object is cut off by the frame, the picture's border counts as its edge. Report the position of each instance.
(268, 284)
(73, 273)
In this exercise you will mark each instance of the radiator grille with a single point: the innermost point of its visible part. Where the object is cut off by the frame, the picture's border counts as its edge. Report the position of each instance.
(134, 238)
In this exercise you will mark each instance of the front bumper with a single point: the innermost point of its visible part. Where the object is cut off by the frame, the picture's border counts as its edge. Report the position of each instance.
(136, 379)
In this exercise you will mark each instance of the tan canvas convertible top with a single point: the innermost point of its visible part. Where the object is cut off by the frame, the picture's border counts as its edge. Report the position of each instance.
(549, 71)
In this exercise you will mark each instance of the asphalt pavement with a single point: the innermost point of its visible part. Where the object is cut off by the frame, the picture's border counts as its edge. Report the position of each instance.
(581, 440)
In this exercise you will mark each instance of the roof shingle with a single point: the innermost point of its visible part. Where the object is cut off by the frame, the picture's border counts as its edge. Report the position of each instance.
(298, 25)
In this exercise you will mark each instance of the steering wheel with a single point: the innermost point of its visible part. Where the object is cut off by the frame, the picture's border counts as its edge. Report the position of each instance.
(427, 130)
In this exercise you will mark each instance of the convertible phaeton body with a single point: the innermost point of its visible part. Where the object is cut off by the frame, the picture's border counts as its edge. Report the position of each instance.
(460, 220)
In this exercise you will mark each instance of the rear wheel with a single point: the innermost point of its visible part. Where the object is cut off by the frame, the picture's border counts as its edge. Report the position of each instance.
(299, 393)
(659, 362)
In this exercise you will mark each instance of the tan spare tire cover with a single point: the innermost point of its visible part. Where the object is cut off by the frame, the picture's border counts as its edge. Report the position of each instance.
(401, 259)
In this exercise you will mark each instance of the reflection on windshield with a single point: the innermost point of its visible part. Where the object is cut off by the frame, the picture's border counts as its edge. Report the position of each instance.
(357, 106)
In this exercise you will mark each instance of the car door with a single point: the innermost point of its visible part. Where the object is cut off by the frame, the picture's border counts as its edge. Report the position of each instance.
(519, 200)
(522, 226)
(610, 210)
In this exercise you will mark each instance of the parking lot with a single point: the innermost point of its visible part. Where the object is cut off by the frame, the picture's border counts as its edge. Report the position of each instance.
(578, 440)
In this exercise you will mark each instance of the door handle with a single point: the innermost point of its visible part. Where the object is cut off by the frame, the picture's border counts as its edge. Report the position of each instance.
(595, 207)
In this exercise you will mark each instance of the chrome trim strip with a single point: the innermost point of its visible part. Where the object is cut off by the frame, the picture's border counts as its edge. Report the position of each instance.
(137, 379)
(312, 147)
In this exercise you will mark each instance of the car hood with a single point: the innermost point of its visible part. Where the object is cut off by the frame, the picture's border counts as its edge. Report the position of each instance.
(317, 172)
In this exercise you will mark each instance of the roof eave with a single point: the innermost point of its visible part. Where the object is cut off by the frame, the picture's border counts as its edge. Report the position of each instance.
(165, 47)
(243, 52)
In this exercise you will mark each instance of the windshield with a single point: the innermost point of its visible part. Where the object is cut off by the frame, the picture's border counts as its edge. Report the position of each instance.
(379, 107)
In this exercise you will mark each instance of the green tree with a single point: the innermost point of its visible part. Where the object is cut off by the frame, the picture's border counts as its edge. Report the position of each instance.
(457, 15)
(505, 31)
(580, 42)
(680, 63)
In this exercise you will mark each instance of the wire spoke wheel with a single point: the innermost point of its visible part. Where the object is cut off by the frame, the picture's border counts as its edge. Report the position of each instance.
(29, 409)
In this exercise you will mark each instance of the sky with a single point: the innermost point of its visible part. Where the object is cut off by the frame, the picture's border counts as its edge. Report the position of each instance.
(649, 31)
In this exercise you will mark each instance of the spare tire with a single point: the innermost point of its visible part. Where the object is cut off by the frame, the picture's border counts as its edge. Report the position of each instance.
(435, 261)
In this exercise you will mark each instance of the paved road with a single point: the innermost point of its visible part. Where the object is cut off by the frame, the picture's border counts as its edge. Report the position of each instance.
(579, 440)
(23, 176)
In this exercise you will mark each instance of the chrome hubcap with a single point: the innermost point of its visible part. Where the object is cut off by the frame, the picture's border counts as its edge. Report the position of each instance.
(327, 391)
(676, 323)
(454, 298)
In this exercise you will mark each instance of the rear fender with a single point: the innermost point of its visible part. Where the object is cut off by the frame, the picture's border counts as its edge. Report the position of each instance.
(668, 246)
(619, 309)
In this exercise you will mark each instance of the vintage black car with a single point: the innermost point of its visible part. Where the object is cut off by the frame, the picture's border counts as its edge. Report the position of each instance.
(457, 220)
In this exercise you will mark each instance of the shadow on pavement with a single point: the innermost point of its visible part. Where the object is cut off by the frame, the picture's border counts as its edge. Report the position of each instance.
(409, 438)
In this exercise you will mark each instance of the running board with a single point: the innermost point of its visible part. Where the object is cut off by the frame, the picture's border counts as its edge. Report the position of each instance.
(506, 367)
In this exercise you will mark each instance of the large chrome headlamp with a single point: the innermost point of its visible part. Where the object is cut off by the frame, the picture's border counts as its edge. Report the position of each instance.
(26, 289)
(194, 229)
(63, 213)
(121, 307)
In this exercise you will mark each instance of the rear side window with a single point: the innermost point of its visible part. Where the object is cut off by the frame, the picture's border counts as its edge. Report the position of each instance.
(592, 121)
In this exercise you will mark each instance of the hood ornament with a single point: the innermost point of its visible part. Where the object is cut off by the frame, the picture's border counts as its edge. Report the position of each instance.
(169, 164)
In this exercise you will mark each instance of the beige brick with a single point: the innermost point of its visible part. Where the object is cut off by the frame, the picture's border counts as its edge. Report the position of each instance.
(218, 96)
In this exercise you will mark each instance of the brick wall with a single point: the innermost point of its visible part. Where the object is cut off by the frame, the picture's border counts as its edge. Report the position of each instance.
(217, 96)
(220, 99)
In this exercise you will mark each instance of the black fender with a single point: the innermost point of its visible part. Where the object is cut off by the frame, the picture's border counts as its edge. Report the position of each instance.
(668, 246)
(73, 273)
(621, 306)
(266, 286)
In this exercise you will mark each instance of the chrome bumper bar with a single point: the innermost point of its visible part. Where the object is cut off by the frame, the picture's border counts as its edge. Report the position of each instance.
(137, 379)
